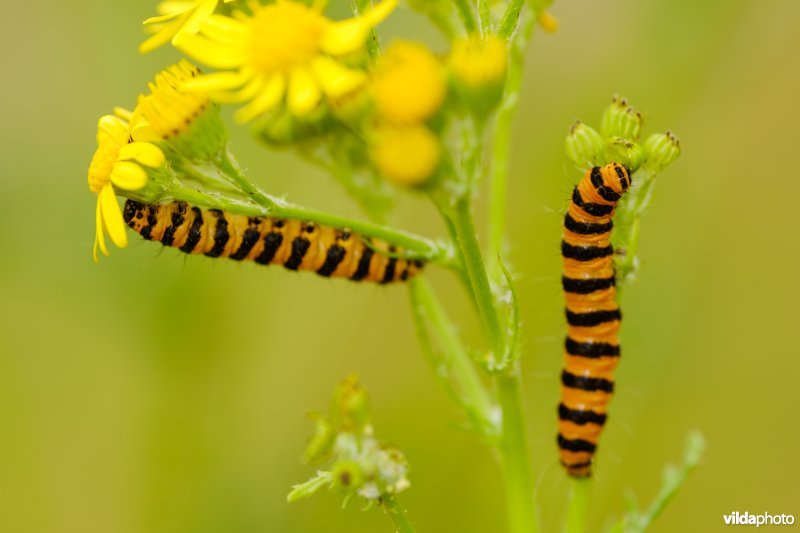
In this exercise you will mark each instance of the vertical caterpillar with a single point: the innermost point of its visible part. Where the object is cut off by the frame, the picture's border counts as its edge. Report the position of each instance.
(295, 244)
(593, 317)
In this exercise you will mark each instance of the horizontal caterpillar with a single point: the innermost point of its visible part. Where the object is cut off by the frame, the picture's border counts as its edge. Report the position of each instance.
(295, 244)
(593, 317)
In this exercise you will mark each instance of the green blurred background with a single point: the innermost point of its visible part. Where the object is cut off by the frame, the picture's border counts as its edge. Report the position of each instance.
(155, 393)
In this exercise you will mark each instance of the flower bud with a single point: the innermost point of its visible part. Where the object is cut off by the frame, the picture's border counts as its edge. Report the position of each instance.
(321, 442)
(547, 21)
(351, 407)
(661, 149)
(409, 84)
(583, 145)
(621, 120)
(282, 128)
(479, 67)
(406, 156)
(347, 475)
(623, 151)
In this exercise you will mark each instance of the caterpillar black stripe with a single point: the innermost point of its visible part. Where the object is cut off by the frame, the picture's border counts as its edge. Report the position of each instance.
(593, 317)
(295, 244)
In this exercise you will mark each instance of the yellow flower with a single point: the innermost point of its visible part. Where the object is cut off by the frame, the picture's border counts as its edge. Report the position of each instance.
(478, 62)
(285, 48)
(116, 164)
(547, 22)
(409, 84)
(177, 19)
(168, 109)
(406, 155)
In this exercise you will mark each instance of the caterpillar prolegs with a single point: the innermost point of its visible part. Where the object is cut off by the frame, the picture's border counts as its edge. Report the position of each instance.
(295, 244)
(593, 317)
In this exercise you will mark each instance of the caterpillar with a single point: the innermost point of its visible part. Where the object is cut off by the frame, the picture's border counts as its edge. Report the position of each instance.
(295, 244)
(593, 317)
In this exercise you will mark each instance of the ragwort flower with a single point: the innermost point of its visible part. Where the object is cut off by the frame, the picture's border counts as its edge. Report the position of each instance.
(177, 19)
(284, 49)
(409, 84)
(116, 163)
(168, 109)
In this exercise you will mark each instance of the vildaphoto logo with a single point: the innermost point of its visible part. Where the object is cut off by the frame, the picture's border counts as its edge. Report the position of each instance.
(765, 519)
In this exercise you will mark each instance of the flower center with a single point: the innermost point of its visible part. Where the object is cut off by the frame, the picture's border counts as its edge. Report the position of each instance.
(102, 164)
(284, 35)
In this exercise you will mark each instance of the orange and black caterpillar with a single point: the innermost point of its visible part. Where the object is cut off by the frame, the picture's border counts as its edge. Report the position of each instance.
(295, 244)
(593, 317)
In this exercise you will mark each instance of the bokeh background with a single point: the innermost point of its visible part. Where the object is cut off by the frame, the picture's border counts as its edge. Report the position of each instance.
(155, 393)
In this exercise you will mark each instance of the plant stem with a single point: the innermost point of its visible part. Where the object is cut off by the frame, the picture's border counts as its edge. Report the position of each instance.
(418, 247)
(397, 514)
(467, 15)
(510, 19)
(484, 16)
(501, 149)
(373, 44)
(452, 365)
(467, 241)
(514, 456)
(578, 511)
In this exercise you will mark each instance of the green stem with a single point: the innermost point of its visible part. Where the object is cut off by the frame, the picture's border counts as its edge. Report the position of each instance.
(510, 19)
(416, 246)
(373, 44)
(467, 15)
(231, 169)
(452, 365)
(578, 511)
(514, 457)
(397, 514)
(484, 16)
(629, 223)
(501, 150)
(467, 241)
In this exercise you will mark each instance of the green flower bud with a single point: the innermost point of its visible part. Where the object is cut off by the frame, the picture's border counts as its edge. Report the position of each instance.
(623, 151)
(621, 120)
(281, 128)
(321, 442)
(351, 409)
(347, 475)
(661, 149)
(583, 145)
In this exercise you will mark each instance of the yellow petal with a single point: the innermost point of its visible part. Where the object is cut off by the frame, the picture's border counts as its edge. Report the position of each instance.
(113, 127)
(128, 175)
(216, 55)
(197, 17)
(349, 35)
(160, 19)
(99, 238)
(268, 98)
(224, 29)
(304, 93)
(217, 81)
(336, 79)
(112, 217)
(167, 7)
(145, 153)
(163, 35)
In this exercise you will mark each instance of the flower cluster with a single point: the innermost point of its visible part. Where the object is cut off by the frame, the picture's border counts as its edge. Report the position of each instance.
(408, 89)
(618, 140)
(360, 465)
(137, 151)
